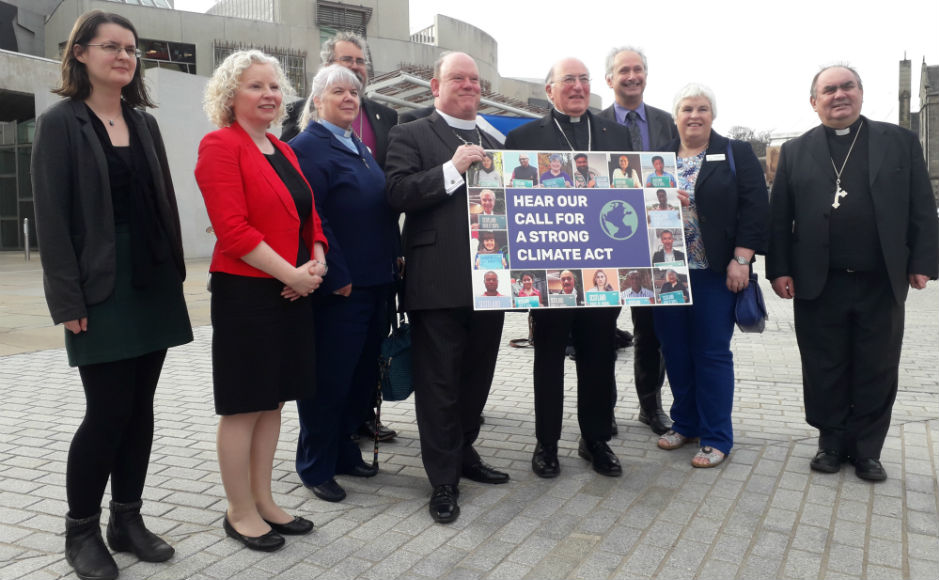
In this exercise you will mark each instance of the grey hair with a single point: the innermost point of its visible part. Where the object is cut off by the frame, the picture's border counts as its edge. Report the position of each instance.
(328, 51)
(615, 51)
(322, 80)
(844, 65)
(692, 90)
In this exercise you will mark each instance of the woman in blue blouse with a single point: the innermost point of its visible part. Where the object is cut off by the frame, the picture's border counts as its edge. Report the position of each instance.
(350, 307)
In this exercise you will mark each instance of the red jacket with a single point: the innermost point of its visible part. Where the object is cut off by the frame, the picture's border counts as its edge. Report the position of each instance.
(248, 203)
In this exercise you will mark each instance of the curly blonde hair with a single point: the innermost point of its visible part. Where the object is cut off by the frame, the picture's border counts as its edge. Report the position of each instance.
(220, 91)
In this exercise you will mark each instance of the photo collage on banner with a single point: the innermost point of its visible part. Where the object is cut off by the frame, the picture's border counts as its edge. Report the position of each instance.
(540, 239)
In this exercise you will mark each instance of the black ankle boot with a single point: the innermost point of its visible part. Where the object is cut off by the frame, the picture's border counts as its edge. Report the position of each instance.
(85, 549)
(127, 533)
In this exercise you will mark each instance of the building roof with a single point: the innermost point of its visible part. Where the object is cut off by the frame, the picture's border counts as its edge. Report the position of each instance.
(409, 88)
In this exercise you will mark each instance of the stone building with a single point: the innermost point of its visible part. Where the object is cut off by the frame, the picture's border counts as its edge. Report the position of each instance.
(181, 49)
(925, 122)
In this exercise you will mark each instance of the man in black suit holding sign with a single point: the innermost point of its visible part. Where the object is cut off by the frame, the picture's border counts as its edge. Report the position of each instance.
(454, 348)
(853, 228)
(570, 126)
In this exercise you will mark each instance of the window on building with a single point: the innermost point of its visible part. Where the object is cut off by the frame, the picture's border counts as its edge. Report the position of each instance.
(292, 61)
(171, 55)
(343, 16)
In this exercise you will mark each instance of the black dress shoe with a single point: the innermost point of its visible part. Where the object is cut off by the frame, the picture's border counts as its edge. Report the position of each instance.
(827, 461)
(296, 527)
(599, 453)
(658, 421)
(544, 462)
(483, 473)
(443, 506)
(367, 429)
(269, 542)
(329, 490)
(869, 469)
(361, 469)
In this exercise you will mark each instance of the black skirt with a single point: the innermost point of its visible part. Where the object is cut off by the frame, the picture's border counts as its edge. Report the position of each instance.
(263, 345)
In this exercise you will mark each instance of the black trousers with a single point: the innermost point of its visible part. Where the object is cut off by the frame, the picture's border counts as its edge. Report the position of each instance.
(115, 437)
(648, 363)
(454, 354)
(593, 332)
(850, 338)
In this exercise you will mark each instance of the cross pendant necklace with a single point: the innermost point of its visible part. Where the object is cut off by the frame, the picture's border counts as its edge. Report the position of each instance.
(839, 192)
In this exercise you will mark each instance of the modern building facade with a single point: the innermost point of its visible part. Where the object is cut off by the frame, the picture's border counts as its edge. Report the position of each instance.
(181, 49)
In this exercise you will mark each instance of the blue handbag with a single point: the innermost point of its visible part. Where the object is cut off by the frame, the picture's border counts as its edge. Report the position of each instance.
(750, 311)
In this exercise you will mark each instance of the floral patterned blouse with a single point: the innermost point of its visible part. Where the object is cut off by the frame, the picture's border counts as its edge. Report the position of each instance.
(688, 168)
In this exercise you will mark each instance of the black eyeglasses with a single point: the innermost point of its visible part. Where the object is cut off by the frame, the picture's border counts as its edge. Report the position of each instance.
(115, 49)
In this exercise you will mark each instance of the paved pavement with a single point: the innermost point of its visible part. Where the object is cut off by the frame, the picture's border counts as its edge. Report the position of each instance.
(763, 514)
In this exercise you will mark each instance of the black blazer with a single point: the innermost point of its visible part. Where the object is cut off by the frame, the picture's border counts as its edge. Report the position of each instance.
(74, 213)
(904, 209)
(543, 134)
(436, 231)
(381, 118)
(733, 211)
(415, 114)
(662, 130)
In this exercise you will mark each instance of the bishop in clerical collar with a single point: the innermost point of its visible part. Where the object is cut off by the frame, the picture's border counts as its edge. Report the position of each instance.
(568, 87)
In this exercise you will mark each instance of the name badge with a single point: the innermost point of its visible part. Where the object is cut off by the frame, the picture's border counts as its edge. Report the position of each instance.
(715, 157)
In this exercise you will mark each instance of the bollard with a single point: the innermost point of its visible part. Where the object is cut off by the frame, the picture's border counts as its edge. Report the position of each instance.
(26, 237)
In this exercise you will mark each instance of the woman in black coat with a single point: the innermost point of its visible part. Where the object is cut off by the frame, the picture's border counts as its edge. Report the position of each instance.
(113, 270)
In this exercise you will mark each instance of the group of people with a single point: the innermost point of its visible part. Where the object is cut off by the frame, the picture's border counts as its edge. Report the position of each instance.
(307, 256)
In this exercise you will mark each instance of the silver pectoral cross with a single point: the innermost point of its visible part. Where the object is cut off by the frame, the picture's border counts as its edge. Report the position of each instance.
(839, 193)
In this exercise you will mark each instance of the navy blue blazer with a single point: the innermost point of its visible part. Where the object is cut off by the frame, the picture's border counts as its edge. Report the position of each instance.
(733, 211)
(349, 191)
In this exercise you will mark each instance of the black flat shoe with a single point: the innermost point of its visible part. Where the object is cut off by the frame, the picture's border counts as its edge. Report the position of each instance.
(443, 505)
(544, 462)
(483, 473)
(827, 461)
(269, 542)
(329, 490)
(869, 469)
(361, 469)
(601, 456)
(296, 527)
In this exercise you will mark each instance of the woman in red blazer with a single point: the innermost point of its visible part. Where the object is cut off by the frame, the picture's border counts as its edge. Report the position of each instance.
(269, 256)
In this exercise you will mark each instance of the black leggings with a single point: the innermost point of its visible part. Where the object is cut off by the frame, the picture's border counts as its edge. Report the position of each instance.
(116, 434)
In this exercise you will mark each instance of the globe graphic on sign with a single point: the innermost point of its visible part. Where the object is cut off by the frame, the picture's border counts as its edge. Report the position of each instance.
(619, 220)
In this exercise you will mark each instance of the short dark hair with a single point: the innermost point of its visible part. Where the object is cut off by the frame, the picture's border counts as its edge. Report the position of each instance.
(580, 156)
(75, 82)
(659, 157)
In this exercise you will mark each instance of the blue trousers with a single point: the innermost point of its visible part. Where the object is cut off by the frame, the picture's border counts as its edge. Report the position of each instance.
(696, 346)
(349, 331)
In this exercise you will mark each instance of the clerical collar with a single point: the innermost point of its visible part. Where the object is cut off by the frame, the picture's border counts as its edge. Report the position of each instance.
(336, 129)
(457, 123)
(566, 118)
(849, 130)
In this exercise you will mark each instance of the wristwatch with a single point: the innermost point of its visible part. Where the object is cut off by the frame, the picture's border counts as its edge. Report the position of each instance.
(325, 266)
(741, 260)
